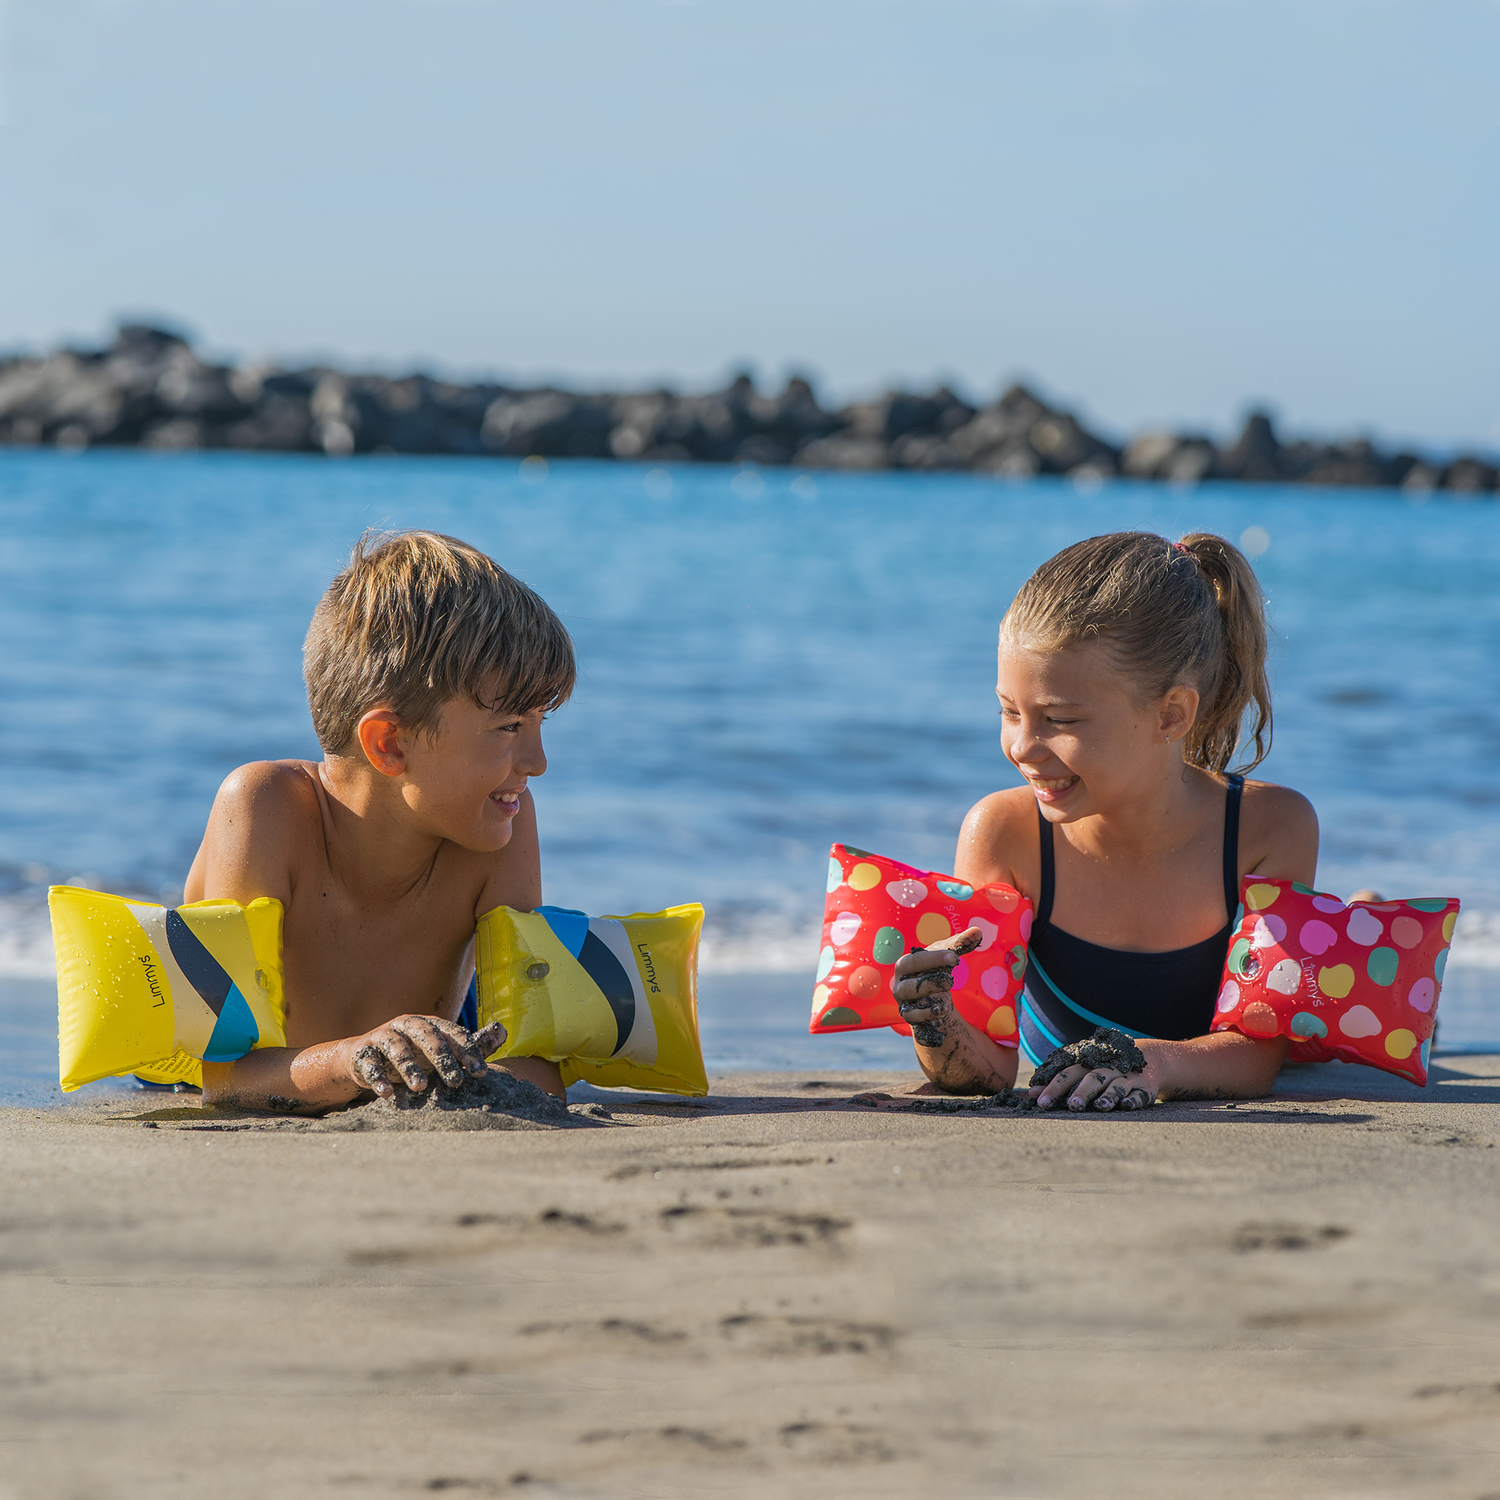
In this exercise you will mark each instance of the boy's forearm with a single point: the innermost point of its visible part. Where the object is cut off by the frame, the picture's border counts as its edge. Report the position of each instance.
(1225, 1065)
(283, 1078)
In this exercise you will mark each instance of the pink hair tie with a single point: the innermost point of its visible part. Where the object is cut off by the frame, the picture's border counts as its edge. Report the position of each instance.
(1185, 550)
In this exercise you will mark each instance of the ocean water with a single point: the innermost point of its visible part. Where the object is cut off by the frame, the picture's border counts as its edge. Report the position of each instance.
(769, 662)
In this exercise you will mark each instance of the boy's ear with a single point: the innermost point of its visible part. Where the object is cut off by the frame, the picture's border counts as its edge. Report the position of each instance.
(379, 734)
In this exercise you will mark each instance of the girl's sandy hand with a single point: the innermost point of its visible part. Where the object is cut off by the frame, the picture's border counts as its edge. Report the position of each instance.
(411, 1048)
(1102, 1089)
(929, 971)
(922, 982)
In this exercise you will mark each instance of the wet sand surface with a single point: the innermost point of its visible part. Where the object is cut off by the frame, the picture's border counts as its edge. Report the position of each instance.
(771, 1292)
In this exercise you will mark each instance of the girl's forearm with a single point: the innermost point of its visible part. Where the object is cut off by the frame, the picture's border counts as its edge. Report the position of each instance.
(1225, 1065)
(283, 1078)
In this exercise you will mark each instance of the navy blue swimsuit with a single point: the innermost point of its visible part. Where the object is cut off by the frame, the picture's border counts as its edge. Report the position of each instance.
(1072, 986)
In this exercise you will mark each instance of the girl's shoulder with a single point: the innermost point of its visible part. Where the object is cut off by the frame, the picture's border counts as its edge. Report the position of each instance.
(1278, 833)
(998, 842)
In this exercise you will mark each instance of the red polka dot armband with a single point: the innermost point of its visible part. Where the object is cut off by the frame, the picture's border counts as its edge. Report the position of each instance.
(877, 909)
(1356, 981)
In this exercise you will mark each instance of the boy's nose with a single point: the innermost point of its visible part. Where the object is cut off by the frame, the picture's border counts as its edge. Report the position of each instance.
(531, 759)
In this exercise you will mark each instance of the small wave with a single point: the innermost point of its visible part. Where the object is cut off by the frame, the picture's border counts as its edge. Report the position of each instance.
(763, 943)
(1476, 941)
(777, 951)
(25, 939)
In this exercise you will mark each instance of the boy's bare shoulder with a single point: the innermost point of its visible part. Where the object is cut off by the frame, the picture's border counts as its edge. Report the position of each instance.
(269, 789)
(265, 818)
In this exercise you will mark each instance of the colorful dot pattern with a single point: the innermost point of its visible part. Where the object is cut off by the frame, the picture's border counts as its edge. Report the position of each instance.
(1358, 981)
(878, 909)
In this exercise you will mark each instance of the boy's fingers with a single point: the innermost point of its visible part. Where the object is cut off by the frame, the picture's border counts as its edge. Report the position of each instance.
(371, 1069)
(403, 1057)
(487, 1040)
(432, 1039)
(461, 1042)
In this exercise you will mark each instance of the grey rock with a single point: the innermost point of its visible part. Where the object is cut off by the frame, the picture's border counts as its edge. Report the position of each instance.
(150, 388)
(844, 452)
(1256, 456)
(1469, 476)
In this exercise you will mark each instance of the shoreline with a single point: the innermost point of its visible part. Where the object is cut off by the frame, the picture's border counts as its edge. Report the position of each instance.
(769, 1292)
(150, 389)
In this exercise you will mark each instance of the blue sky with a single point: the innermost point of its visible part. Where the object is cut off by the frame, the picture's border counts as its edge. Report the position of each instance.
(1157, 211)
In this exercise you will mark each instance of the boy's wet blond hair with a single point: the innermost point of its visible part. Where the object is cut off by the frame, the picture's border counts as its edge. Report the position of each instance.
(417, 619)
(1169, 613)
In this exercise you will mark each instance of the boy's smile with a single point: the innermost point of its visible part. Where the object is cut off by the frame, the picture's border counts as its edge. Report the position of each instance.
(509, 799)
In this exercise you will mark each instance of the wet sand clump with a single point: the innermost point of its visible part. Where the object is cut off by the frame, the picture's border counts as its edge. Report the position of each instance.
(1016, 1099)
(496, 1101)
(1107, 1048)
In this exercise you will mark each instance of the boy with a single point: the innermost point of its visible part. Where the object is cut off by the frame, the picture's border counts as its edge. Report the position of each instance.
(429, 670)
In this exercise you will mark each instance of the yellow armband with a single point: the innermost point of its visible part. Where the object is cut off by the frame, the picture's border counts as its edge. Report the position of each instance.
(154, 989)
(614, 1000)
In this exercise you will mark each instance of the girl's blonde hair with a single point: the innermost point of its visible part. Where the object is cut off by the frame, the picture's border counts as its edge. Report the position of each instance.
(1169, 613)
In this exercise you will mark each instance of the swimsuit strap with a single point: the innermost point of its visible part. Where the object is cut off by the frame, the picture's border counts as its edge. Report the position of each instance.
(1049, 873)
(1236, 785)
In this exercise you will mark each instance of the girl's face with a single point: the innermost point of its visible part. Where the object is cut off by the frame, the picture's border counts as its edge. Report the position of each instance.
(1082, 740)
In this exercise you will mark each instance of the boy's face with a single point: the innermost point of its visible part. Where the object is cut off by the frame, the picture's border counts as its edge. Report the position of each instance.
(464, 783)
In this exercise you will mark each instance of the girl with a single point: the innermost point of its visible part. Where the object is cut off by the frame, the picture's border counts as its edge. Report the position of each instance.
(1127, 666)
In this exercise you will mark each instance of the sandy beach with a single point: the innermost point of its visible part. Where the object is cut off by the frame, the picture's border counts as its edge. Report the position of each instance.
(770, 1292)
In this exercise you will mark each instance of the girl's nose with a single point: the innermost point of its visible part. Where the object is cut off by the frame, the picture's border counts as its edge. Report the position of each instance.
(1024, 746)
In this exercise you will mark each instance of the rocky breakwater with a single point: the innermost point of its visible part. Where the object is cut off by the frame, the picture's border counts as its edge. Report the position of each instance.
(150, 389)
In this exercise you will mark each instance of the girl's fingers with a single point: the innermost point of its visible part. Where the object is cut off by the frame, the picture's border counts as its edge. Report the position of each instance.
(926, 961)
(1112, 1097)
(924, 1007)
(1090, 1087)
(1136, 1098)
(916, 986)
(964, 942)
(1058, 1087)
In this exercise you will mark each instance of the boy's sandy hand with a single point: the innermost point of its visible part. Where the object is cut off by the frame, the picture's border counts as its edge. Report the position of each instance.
(410, 1049)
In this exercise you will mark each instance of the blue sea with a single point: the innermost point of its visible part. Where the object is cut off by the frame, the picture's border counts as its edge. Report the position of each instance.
(770, 661)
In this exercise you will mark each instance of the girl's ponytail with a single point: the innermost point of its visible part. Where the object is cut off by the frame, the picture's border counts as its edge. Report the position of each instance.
(1218, 730)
